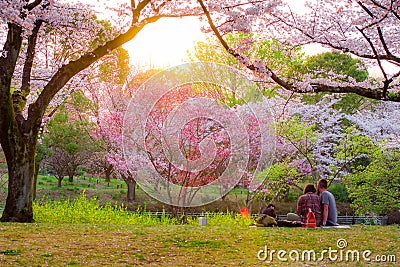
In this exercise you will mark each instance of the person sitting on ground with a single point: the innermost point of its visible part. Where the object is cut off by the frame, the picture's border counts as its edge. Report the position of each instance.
(309, 201)
(264, 220)
(269, 210)
(267, 217)
(329, 211)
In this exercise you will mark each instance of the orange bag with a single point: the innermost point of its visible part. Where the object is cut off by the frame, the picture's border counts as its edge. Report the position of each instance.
(311, 222)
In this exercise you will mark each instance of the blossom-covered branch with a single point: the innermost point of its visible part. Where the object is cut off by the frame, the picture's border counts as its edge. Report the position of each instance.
(363, 28)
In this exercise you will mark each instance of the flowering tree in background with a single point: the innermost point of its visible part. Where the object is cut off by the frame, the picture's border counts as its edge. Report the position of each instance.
(369, 152)
(202, 135)
(111, 88)
(190, 137)
(109, 133)
(381, 123)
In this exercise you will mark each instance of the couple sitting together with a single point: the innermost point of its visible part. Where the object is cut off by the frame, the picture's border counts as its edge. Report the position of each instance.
(322, 205)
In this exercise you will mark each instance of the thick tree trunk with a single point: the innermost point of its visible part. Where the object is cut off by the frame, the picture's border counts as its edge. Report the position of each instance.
(131, 194)
(71, 178)
(21, 171)
(59, 181)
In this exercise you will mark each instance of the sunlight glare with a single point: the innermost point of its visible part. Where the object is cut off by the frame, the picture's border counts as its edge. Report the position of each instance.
(165, 43)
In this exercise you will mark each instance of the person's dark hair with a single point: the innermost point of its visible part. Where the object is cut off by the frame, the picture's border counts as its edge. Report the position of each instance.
(323, 183)
(309, 188)
(270, 205)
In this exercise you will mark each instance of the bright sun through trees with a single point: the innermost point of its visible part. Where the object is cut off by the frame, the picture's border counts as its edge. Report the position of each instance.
(165, 43)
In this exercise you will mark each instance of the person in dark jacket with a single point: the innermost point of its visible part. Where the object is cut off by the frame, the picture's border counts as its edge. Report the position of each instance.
(269, 210)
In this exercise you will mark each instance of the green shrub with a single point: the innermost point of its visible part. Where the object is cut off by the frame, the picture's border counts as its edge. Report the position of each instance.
(294, 194)
(339, 191)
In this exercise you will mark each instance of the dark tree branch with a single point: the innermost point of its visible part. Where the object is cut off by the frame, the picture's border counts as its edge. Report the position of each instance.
(375, 52)
(375, 93)
(382, 39)
(157, 9)
(388, 57)
(12, 46)
(244, 4)
(32, 5)
(366, 9)
(370, 93)
(19, 97)
(239, 57)
(65, 73)
(138, 9)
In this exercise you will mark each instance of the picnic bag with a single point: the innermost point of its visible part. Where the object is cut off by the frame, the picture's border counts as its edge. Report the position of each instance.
(311, 221)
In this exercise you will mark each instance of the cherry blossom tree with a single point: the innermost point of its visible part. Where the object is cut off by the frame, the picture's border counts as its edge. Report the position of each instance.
(109, 132)
(194, 137)
(33, 31)
(380, 122)
(365, 29)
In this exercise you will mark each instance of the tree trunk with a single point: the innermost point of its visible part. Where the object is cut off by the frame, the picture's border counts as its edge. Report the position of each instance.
(59, 179)
(21, 172)
(70, 178)
(249, 201)
(179, 213)
(107, 172)
(131, 194)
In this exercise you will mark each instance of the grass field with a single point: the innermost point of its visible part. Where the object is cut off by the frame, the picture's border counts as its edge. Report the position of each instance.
(188, 245)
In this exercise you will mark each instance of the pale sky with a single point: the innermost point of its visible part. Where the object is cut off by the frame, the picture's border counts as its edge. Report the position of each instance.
(165, 42)
(158, 45)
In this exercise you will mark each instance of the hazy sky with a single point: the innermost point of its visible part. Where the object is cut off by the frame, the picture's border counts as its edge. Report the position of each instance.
(165, 42)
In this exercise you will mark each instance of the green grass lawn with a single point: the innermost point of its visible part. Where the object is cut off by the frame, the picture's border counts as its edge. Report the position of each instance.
(184, 245)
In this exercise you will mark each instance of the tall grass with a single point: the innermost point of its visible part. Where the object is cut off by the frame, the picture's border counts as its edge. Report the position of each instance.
(88, 210)
(227, 219)
(85, 210)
